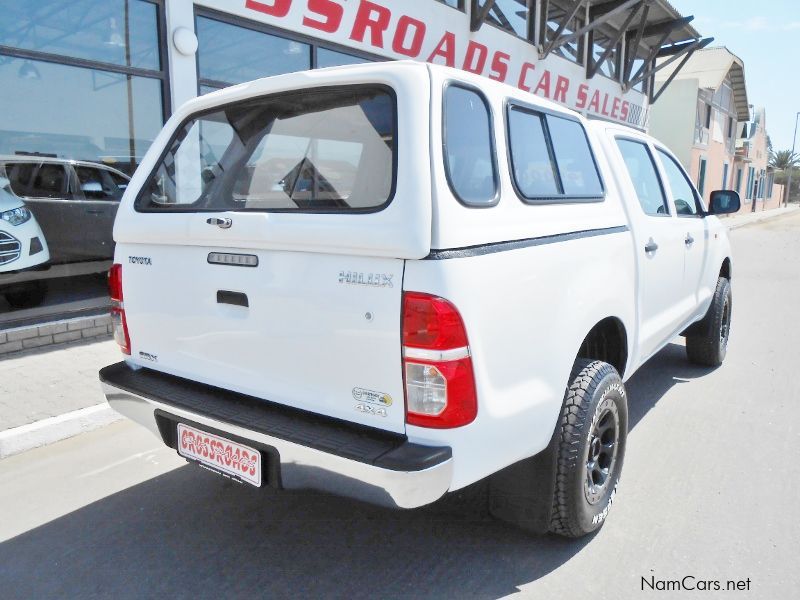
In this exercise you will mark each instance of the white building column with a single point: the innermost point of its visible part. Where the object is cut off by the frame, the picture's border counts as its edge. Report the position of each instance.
(182, 61)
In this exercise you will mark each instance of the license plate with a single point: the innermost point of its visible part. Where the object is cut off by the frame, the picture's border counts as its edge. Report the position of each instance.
(220, 454)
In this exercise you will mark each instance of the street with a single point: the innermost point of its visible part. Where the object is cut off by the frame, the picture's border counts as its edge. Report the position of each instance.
(709, 490)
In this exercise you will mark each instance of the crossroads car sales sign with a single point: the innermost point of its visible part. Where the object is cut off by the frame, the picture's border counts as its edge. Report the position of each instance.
(432, 31)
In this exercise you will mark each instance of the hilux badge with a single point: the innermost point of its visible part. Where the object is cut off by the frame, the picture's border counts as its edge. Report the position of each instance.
(368, 279)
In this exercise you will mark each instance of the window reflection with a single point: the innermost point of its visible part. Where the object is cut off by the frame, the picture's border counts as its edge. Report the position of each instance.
(121, 32)
(230, 54)
(331, 58)
(75, 112)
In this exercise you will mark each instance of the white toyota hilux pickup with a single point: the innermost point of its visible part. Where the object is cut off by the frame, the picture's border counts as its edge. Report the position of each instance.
(391, 281)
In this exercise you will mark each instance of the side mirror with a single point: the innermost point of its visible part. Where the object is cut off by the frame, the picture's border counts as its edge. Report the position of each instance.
(724, 202)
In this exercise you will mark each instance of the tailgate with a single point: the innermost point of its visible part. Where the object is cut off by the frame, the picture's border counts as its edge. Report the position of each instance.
(313, 331)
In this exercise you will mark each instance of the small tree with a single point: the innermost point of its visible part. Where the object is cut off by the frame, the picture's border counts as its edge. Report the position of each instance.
(783, 160)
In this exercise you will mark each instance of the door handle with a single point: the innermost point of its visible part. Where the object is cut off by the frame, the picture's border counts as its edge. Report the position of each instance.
(689, 239)
(651, 246)
(221, 223)
(90, 211)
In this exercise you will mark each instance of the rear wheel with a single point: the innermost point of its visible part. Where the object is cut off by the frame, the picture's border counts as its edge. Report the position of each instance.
(590, 448)
(709, 345)
(26, 295)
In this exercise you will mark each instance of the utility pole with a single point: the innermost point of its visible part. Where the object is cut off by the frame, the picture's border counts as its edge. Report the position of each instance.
(791, 167)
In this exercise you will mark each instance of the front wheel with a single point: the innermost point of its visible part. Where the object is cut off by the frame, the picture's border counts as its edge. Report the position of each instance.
(590, 448)
(709, 346)
(26, 295)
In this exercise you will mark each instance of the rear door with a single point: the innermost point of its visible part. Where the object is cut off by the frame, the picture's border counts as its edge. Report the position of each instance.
(694, 230)
(91, 209)
(265, 252)
(657, 244)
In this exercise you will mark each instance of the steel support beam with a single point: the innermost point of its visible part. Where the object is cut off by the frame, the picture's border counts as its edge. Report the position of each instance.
(689, 51)
(660, 27)
(559, 40)
(479, 13)
(651, 56)
(687, 48)
(592, 65)
(632, 49)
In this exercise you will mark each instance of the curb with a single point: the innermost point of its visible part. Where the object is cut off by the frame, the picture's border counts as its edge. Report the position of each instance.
(761, 219)
(54, 429)
(19, 339)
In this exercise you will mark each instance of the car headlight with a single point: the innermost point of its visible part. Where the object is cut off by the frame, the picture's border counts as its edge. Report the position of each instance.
(16, 216)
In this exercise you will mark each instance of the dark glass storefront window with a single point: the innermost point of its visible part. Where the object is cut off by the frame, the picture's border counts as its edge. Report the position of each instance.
(120, 32)
(230, 54)
(77, 113)
(332, 58)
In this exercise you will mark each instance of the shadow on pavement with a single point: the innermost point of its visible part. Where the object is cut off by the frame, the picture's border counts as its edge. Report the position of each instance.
(655, 378)
(190, 533)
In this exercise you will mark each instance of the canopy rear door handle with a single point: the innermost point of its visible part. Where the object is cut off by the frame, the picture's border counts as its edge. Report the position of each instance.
(224, 223)
(651, 246)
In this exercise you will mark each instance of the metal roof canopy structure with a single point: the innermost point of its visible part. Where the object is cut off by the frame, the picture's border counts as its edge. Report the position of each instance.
(710, 67)
(649, 32)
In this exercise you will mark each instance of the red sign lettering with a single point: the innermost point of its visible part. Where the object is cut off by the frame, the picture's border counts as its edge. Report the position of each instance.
(417, 29)
(331, 11)
(446, 48)
(276, 8)
(373, 17)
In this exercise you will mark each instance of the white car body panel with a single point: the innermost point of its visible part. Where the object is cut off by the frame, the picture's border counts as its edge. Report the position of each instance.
(526, 309)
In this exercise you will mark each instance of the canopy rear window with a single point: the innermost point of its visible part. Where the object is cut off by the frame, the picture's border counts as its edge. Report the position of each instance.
(322, 150)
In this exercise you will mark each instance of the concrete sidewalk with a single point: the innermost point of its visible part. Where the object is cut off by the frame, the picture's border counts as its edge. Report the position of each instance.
(748, 218)
(52, 393)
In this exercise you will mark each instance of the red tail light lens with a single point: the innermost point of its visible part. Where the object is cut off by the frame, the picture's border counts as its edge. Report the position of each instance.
(115, 282)
(431, 322)
(118, 320)
(439, 380)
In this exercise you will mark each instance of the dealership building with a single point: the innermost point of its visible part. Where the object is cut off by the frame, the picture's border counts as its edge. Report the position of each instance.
(96, 79)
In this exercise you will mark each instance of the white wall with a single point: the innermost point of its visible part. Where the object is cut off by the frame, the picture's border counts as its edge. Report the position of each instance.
(672, 118)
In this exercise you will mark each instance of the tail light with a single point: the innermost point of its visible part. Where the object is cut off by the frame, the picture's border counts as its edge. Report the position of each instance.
(118, 320)
(439, 381)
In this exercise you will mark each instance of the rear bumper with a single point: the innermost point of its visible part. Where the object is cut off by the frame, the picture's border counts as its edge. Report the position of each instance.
(303, 450)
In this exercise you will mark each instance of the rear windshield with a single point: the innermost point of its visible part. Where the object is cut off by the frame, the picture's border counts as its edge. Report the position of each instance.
(329, 150)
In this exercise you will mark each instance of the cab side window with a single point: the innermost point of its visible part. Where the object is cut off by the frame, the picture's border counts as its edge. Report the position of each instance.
(551, 160)
(534, 166)
(469, 155)
(643, 174)
(683, 194)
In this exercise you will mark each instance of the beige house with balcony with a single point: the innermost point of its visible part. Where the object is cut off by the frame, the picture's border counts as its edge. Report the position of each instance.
(705, 118)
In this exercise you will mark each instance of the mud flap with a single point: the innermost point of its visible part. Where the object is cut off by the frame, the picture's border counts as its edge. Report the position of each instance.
(522, 493)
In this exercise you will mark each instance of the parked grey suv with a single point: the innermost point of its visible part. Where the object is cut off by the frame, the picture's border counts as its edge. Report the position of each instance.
(75, 203)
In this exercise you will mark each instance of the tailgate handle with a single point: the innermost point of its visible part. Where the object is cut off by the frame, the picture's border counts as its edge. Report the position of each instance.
(221, 223)
(234, 298)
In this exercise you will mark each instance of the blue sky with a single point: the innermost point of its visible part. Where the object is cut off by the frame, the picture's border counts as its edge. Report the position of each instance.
(766, 36)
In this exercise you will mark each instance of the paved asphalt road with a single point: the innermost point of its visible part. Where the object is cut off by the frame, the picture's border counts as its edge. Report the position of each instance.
(710, 490)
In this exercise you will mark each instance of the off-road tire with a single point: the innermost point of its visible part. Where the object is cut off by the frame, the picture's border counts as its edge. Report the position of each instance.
(28, 295)
(707, 345)
(595, 393)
